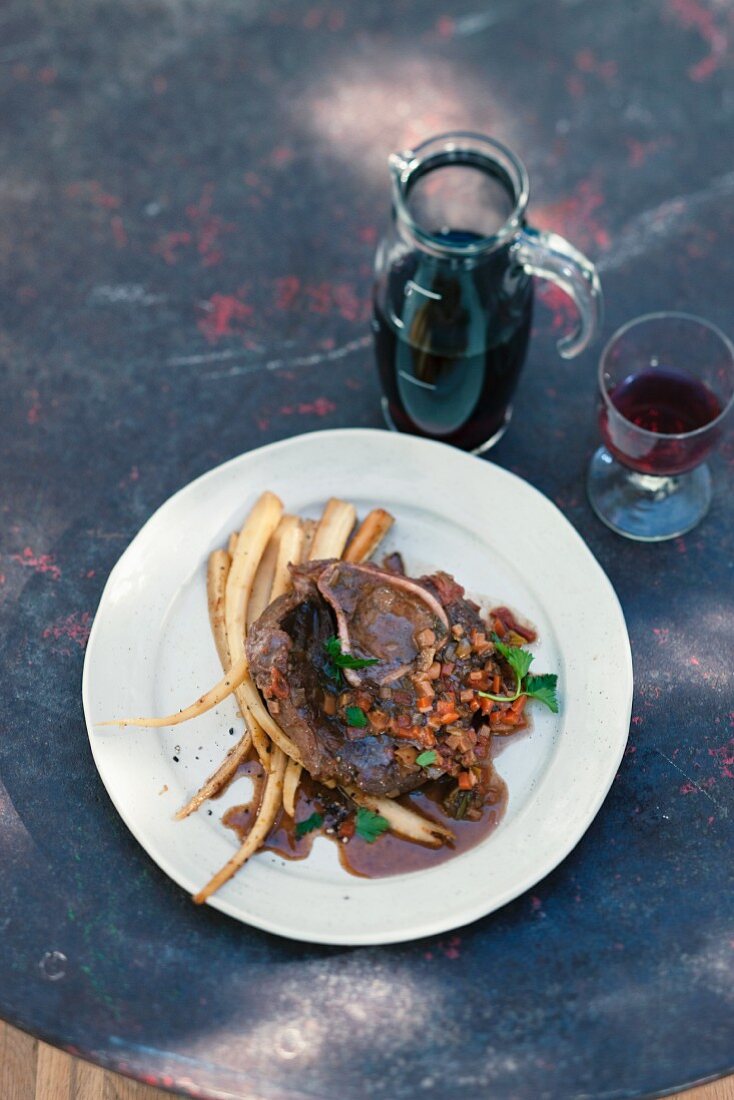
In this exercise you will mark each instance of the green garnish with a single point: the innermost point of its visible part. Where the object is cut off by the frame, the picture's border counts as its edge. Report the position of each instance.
(315, 821)
(457, 803)
(356, 717)
(462, 805)
(370, 826)
(542, 687)
(333, 649)
(426, 758)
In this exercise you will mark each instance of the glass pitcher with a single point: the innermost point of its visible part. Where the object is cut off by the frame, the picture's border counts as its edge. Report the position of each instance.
(453, 295)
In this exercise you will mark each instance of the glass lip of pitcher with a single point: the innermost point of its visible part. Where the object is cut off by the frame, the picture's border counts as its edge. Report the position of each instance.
(460, 147)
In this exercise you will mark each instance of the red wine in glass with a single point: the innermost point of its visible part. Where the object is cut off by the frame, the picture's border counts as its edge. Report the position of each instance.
(666, 402)
(666, 386)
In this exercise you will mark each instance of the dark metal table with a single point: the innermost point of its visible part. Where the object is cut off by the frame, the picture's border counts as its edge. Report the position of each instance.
(190, 200)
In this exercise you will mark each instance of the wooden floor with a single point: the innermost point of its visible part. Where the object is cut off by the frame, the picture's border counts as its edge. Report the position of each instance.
(30, 1070)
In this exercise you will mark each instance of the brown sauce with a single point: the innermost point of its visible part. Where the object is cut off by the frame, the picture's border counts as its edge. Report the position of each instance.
(389, 854)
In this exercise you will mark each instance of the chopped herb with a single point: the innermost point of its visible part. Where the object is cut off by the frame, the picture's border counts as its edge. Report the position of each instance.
(462, 805)
(542, 687)
(315, 821)
(426, 758)
(333, 649)
(356, 717)
(369, 825)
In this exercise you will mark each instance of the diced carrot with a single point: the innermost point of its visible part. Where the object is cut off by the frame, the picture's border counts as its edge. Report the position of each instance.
(447, 719)
(443, 706)
(499, 627)
(424, 704)
(496, 684)
(363, 701)
(505, 718)
(526, 632)
(466, 781)
(486, 705)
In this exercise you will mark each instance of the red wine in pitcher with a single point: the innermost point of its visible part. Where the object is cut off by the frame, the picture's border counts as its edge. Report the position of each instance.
(449, 364)
(453, 293)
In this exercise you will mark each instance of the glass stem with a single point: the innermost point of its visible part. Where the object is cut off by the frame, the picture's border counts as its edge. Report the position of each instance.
(657, 488)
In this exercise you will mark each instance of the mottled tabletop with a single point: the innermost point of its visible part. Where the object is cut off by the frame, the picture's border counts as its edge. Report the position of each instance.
(190, 199)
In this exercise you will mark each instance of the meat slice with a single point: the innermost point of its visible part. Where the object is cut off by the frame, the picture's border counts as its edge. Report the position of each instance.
(287, 646)
(361, 727)
(384, 616)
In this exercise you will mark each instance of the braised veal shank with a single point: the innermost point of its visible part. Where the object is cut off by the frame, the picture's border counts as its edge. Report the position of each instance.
(366, 726)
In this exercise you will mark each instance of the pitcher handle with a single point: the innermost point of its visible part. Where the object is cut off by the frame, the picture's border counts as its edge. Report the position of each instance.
(552, 257)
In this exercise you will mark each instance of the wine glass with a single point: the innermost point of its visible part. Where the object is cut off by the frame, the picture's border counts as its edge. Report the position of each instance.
(667, 388)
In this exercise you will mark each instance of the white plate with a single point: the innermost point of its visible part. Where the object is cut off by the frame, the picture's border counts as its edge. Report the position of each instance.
(150, 652)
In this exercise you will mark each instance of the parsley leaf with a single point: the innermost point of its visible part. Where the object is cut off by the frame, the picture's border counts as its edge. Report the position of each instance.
(543, 688)
(333, 649)
(519, 660)
(427, 758)
(315, 821)
(356, 717)
(370, 826)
